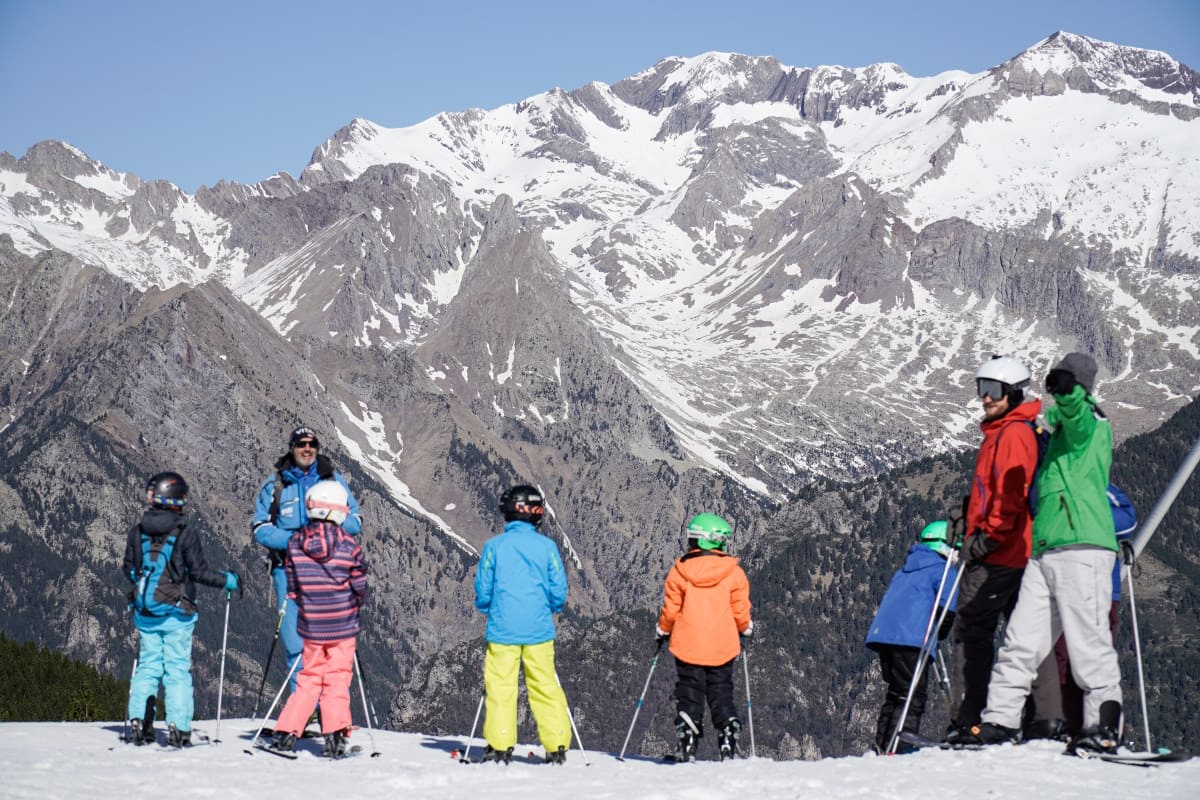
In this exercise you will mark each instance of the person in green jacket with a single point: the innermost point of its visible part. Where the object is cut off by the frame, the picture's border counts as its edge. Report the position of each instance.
(1067, 584)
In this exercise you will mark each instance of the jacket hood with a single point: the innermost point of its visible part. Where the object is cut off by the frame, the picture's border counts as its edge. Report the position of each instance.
(1026, 412)
(320, 537)
(706, 568)
(160, 522)
(921, 557)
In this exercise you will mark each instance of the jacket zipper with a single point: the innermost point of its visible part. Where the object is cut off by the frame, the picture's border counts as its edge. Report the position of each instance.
(1062, 500)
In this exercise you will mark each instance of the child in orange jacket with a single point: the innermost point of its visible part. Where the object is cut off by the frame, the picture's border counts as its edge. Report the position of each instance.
(706, 608)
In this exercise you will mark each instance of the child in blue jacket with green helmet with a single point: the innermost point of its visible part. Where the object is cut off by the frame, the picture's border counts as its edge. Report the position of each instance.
(898, 631)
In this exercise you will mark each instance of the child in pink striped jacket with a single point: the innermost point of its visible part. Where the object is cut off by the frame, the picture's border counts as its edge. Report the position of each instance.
(327, 579)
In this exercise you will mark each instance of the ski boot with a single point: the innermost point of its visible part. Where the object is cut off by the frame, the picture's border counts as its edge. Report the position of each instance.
(727, 738)
(336, 744)
(688, 735)
(141, 732)
(283, 741)
(1054, 729)
(558, 756)
(178, 738)
(1103, 737)
(499, 756)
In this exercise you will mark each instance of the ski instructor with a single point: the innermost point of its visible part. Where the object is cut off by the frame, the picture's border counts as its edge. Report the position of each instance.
(280, 511)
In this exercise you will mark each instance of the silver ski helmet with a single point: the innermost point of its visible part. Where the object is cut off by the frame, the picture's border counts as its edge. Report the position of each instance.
(328, 500)
(1002, 376)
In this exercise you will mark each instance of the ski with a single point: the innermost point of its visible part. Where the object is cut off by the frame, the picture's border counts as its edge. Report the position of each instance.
(1132, 759)
(264, 749)
(923, 742)
(267, 733)
(352, 752)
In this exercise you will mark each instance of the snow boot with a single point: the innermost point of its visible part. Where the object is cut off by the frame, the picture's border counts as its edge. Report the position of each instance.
(727, 738)
(499, 756)
(558, 756)
(178, 738)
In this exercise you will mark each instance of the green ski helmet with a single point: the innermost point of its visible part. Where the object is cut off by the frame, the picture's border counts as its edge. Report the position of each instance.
(934, 536)
(710, 531)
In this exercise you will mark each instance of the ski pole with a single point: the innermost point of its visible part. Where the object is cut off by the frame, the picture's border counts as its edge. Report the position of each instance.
(1128, 553)
(374, 714)
(926, 649)
(749, 707)
(270, 655)
(221, 680)
(571, 717)
(943, 675)
(363, 691)
(275, 702)
(641, 698)
(132, 675)
(466, 756)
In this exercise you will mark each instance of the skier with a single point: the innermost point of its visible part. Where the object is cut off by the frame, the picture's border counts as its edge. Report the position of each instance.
(164, 561)
(280, 511)
(1067, 585)
(998, 521)
(706, 608)
(327, 581)
(520, 584)
(897, 633)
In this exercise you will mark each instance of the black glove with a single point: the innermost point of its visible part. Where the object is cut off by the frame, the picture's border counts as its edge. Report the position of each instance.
(978, 547)
(1060, 381)
(956, 524)
(746, 634)
(660, 635)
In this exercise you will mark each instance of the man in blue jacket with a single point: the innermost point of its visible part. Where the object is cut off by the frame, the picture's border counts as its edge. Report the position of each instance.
(280, 511)
(898, 631)
(521, 584)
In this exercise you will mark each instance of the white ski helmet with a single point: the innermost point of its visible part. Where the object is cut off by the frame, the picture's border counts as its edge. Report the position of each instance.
(1006, 375)
(328, 500)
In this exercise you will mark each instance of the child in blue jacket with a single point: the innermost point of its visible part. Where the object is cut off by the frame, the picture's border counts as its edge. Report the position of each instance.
(521, 584)
(898, 630)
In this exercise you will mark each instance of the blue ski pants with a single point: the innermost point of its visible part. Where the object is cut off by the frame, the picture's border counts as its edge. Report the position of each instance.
(166, 657)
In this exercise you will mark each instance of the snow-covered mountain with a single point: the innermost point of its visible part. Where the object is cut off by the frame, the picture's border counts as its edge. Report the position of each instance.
(423, 767)
(798, 268)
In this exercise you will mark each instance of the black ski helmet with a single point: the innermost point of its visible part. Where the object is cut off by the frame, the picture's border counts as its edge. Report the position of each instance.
(523, 502)
(168, 490)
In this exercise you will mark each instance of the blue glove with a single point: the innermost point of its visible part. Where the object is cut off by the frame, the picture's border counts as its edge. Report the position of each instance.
(231, 581)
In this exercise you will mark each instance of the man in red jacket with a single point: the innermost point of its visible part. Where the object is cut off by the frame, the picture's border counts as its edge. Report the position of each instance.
(998, 526)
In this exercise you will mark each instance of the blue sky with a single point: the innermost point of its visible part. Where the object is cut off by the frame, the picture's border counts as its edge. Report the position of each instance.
(198, 91)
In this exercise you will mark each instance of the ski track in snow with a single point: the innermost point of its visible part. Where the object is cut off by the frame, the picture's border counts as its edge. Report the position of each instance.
(67, 760)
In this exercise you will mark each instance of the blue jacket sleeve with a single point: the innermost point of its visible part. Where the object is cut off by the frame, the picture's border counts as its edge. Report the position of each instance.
(557, 580)
(353, 523)
(265, 533)
(485, 578)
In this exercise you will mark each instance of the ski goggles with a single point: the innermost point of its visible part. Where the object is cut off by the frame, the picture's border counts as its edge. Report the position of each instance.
(990, 387)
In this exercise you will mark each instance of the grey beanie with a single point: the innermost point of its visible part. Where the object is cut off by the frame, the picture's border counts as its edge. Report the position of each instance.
(1082, 366)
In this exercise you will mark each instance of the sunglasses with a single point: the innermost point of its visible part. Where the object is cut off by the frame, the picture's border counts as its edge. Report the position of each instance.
(303, 443)
(990, 387)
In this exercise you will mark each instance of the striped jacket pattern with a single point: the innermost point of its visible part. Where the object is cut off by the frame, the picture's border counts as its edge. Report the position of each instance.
(327, 578)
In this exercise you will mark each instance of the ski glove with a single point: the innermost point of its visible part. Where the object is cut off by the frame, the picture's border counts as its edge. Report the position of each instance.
(978, 547)
(956, 523)
(660, 635)
(746, 634)
(231, 581)
(1060, 381)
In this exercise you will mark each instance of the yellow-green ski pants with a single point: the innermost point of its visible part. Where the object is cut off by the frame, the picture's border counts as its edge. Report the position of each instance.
(546, 698)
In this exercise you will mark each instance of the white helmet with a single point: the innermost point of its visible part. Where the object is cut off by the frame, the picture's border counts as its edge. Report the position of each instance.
(1002, 376)
(328, 500)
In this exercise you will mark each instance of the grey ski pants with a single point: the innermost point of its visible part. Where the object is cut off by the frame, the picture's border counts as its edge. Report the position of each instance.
(1064, 591)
